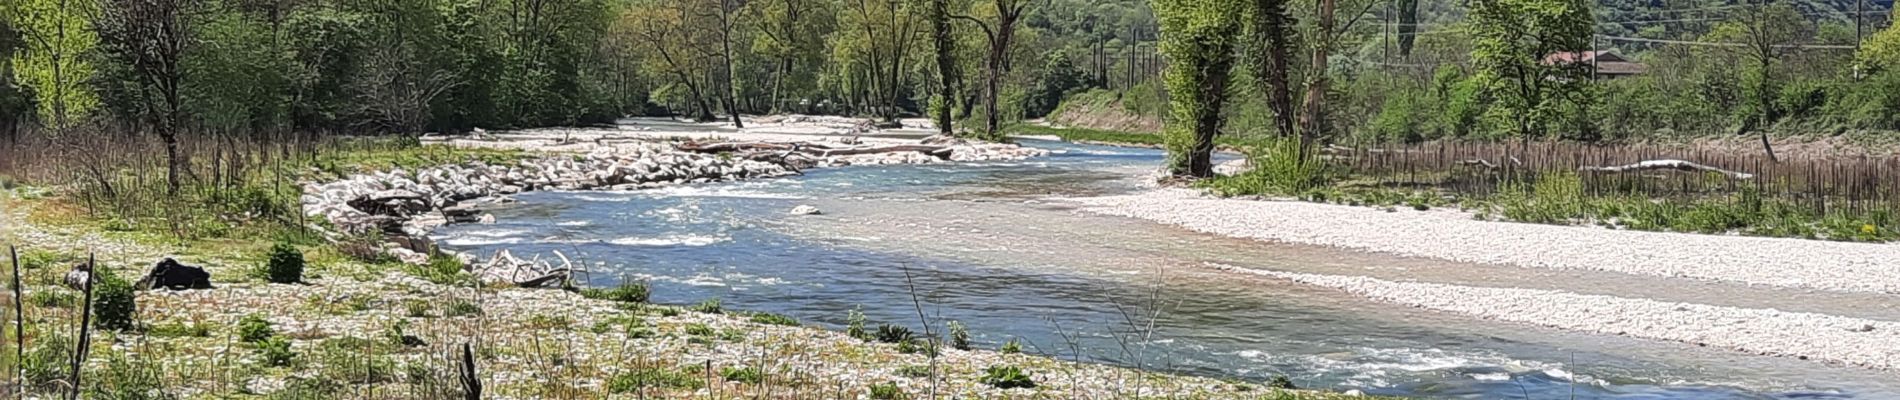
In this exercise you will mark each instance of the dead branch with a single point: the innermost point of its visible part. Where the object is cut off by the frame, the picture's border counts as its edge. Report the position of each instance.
(1677, 165)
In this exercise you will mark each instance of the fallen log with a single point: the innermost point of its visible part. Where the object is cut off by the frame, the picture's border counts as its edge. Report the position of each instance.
(1675, 165)
(940, 151)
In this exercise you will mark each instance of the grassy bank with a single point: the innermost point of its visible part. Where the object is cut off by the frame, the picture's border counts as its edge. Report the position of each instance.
(346, 326)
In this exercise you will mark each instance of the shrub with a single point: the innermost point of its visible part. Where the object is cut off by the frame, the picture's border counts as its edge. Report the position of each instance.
(748, 375)
(630, 292)
(710, 306)
(128, 378)
(1007, 377)
(443, 269)
(888, 333)
(773, 319)
(887, 391)
(115, 306)
(959, 336)
(285, 265)
(1281, 382)
(1011, 347)
(47, 359)
(651, 377)
(275, 351)
(253, 329)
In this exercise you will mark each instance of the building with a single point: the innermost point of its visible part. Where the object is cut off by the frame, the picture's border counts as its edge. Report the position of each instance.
(1607, 63)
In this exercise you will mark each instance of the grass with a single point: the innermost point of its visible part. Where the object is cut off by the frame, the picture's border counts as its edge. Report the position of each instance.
(626, 292)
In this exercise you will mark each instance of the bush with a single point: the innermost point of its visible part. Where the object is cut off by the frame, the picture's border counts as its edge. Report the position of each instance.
(855, 324)
(253, 329)
(1011, 347)
(748, 375)
(115, 306)
(443, 269)
(1007, 377)
(47, 359)
(275, 351)
(629, 292)
(888, 333)
(887, 391)
(285, 265)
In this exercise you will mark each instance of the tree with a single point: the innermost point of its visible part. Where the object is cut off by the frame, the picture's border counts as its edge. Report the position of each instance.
(1198, 38)
(1881, 52)
(945, 40)
(1767, 33)
(1008, 14)
(1408, 26)
(150, 37)
(666, 28)
(1512, 39)
(726, 15)
(52, 62)
(1270, 47)
(877, 47)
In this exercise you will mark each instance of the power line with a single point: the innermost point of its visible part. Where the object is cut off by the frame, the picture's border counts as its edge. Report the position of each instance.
(1726, 44)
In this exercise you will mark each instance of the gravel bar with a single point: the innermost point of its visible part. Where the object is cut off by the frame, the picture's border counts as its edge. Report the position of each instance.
(1826, 338)
(1457, 236)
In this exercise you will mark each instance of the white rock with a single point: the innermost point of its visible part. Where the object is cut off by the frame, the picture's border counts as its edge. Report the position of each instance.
(803, 209)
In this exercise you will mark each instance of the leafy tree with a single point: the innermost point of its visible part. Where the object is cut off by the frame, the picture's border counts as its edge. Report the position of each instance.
(1881, 52)
(150, 37)
(1000, 34)
(1767, 33)
(57, 36)
(1198, 38)
(943, 37)
(1512, 40)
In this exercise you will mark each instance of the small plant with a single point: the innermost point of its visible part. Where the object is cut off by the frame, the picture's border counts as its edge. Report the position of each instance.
(652, 377)
(773, 319)
(887, 391)
(855, 327)
(915, 346)
(747, 375)
(114, 305)
(669, 311)
(629, 292)
(443, 269)
(888, 333)
(418, 309)
(1007, 377)
(178, 330)
(50, 299)
(285, 265)
(710, 306)
(959, 336)
(253, 329)
(914, 371)
(697, 329)
(275, 351)
(46, 359)
(461, 308)
(1012, 347)
(544, 321)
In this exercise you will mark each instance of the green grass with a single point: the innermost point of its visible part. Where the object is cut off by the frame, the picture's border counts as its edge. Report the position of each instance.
(1113, 137)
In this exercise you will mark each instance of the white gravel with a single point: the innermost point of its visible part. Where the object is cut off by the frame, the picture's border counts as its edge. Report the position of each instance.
(1452, 235)
(1833, 339)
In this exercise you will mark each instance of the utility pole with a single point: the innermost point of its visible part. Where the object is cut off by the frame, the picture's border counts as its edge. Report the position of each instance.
(1858, 10)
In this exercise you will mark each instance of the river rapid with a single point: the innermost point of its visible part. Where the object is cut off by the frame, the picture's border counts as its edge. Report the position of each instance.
(993, 246)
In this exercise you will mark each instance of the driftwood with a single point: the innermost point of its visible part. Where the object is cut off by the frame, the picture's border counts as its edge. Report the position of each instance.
(1676, 165)
(810, 149)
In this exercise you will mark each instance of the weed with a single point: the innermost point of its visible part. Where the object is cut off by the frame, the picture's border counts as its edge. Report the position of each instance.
(114, 304)
(544, 321)
(710, 306)
(1281, 382)
(51, 298)
(629, 292)
(443, 269)
(697, 329)
(1011, 347)
(179, 330)
(747, 375)
(773, 319)
(652, 377)
(959, 336)
(855, 324)
(887, 391)
(914, 371)
(46, 360)
(1007, 377)
(418, 308)
(461, 308)
(254, 328)
(888, 333)
(275, 351)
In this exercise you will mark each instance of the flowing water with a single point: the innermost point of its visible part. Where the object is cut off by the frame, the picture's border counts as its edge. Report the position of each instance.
(991, 245)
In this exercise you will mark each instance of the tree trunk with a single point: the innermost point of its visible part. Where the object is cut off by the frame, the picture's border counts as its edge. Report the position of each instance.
(1310, 117)
(946, 64)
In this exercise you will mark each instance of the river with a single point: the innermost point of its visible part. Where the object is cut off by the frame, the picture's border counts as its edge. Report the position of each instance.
(991, 245)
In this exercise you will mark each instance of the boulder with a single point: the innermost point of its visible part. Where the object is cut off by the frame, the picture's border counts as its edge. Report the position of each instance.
(170, 274)
(803, 209)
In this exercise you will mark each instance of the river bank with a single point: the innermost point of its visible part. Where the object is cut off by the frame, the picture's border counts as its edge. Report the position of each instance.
(1723, 260)
(356, 327)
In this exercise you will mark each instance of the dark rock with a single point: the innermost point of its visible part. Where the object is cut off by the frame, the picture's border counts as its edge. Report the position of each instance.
(77, 278)
(170, 274)
(413, 341)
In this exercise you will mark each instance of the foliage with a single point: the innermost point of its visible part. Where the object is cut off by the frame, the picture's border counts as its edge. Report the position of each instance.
(854, 324)
(959, 336)
(114, 302)
(1199, 46)
(1279, 166)
(1007, 377)
(889, 333)
(709, 306)
(47, 359)
(1512, 39)
(1011, 347)
(887, 391)
(773, 319)
(443, 269)
(275, 351)
(747, 375)
(286, 264)
(461, 308)
(627, 292)
(254, 328)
